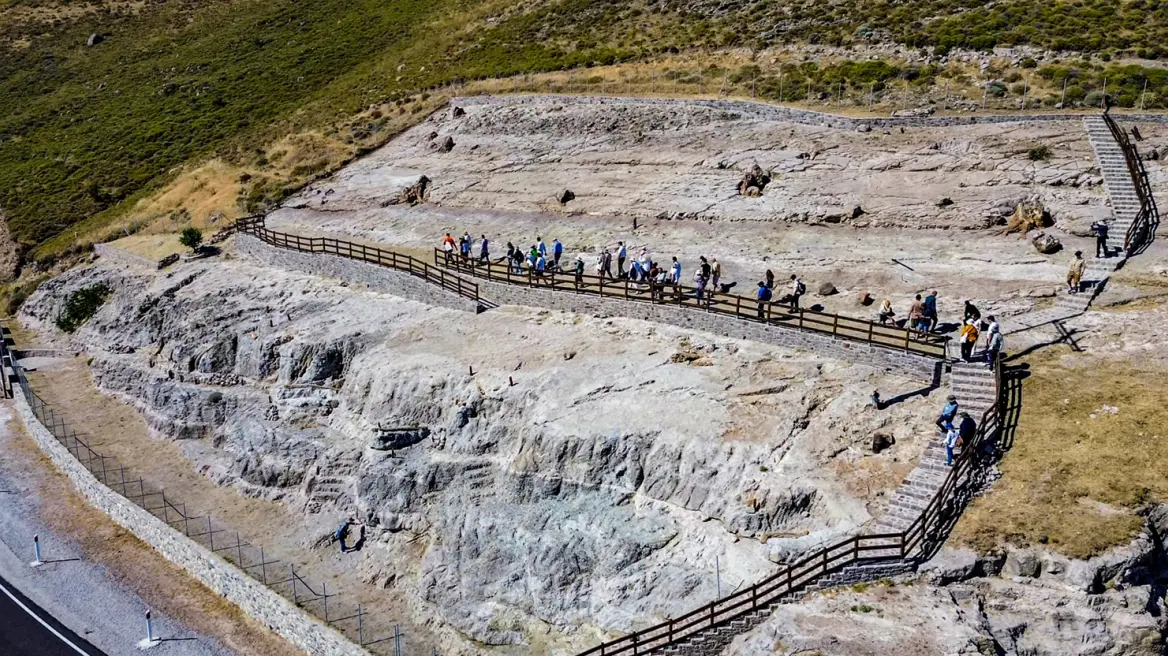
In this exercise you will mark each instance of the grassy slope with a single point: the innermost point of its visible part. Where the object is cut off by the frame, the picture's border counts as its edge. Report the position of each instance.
(1064, 462)
(84, 129)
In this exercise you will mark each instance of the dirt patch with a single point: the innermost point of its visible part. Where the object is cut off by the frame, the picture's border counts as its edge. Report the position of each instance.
(161, 584)
(1091, 449)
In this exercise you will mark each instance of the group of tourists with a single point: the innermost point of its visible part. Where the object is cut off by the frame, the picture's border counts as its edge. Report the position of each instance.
(956, 426)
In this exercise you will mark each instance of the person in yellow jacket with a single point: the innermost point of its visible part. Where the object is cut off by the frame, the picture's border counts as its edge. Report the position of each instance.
(969, 335)
(1075, 273)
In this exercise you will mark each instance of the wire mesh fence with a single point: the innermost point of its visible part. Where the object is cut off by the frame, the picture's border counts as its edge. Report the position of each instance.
(350, 619)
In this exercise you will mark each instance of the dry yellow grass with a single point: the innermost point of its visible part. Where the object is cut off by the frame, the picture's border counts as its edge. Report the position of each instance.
(1077, 472)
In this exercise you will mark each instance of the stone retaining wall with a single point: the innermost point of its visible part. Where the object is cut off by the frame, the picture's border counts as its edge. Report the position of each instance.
(794, 114)
(353, 271)
(919, 367)
(257, 600)
(122, 258)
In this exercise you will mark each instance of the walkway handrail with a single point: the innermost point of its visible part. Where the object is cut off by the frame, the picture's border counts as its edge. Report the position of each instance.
(1149, 214)
(729, 304)
(861, 549)
(255, 226)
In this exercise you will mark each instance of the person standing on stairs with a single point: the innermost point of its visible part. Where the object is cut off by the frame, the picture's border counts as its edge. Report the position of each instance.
(1075, 273)
(947, 413)
(967, 429)
(931, 311)
(969, 335)
(1100, 230)
(994, 352)
(971, 313)
(952, 441)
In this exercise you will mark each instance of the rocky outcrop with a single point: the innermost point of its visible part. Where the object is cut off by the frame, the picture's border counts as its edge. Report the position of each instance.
(9, 252)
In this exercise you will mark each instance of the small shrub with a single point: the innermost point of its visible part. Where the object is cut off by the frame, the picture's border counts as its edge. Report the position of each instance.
(1039, 153)
(862, 608)
(81, 306)
(191, 237)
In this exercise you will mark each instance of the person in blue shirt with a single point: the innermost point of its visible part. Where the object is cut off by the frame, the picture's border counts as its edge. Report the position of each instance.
(621, 254)
(675, 272)
(764, 297)
(540, 265)
(484, 251)
(541, 246)
(931, 310)
(635, 272)
(557, 251)
(947, 413)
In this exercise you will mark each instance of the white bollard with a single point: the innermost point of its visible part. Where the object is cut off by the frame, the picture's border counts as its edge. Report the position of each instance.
(36, 550)
(150, 640)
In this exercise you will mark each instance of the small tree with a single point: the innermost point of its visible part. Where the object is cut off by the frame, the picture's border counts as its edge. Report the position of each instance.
(192, 238)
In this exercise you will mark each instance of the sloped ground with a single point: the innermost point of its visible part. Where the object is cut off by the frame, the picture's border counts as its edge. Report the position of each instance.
(592, 495)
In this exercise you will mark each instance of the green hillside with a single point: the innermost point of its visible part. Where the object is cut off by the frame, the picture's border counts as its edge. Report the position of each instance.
(84, 128)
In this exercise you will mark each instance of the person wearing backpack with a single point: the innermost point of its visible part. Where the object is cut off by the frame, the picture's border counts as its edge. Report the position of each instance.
(1100, 230)
(764, 297)
(797, 289)
(995, 350)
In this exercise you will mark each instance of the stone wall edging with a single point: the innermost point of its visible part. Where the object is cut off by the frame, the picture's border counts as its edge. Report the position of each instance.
(793, 114)
(354, 271)
(255, 599)
(120, 257)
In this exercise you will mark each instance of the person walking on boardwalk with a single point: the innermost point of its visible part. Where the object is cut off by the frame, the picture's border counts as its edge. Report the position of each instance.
(715, 273)
(886, 312)
(467, 242)
(969, 335)
(994, 352)
(700, 284)
(606, 261)
(517, 260)
(599, 263)
(540, 247)
(557, 252)
(448, 247)
(798, 289)
(1100, 229)
(704, 268)
(769, 279)
(621, 255)
(1075, 273)
(484, 250)
(764, 297)
(931, 311)
(675, 272)
(540, 265)
(916, 315)
(579, 268)
(635, 271)
(948, 412)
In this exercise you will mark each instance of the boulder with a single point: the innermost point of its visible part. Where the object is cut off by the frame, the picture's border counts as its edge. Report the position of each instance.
(168, 260)
(827, 289)
(385, 439)
(1046, 244)
(457, 112)
(866, 299)
(950, 565)
(881, 441)
(756, 179)
(1022, 562)
(432, 136)
(447, 145)
(945, 202)
(857, 212)
(94, 39)
(565, 196)
(411, 195)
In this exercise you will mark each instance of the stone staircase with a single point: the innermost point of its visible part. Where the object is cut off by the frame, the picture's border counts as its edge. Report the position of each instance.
(336, 487)
(1117, 179)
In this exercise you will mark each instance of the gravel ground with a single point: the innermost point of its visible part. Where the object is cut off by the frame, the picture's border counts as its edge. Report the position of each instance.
(81, 594)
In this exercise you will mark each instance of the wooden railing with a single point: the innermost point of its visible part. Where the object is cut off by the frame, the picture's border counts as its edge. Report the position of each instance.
(735, 305)
(1149, 215)
(859, 550)
(255, 227)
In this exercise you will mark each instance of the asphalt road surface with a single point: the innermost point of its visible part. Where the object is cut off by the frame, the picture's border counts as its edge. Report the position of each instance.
(26, 630)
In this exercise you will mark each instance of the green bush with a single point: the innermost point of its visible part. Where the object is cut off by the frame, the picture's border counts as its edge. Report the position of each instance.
(81, 306)
(1039, 153)
(191, 237)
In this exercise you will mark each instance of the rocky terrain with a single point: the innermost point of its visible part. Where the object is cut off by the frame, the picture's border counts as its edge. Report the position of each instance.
(594, 492)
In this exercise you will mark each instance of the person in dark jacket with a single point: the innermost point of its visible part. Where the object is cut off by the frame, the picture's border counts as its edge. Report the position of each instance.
(967, 429)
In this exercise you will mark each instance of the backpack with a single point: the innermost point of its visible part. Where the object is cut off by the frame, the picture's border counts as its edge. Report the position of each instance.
(800, 288)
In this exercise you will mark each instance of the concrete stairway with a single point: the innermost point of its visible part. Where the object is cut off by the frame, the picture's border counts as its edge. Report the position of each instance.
(1125, 203)
(973, 385)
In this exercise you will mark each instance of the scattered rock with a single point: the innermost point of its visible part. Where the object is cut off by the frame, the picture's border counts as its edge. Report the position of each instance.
(857, 212)
(827, 289)
(432, 136)
(1022, 562)
(1046, 244)
(457, 112)
(565, 196)
(866, 299)
(411, 195)
(168, 260)
(756, 179)
(945, 202)
(447, 145)
(94, 39)
(880, 442)
(385, 439)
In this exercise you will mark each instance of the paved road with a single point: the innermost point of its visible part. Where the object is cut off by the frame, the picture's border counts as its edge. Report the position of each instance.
(26, 630)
